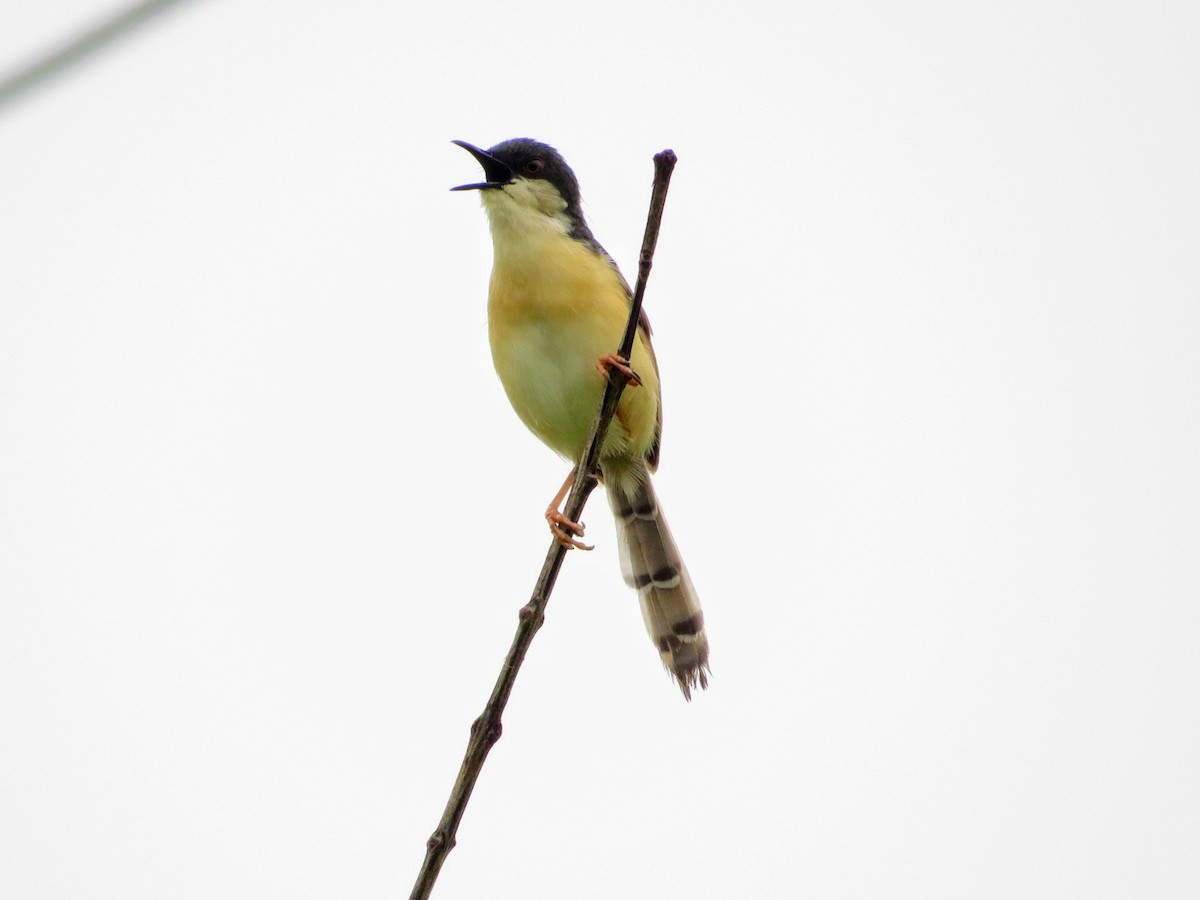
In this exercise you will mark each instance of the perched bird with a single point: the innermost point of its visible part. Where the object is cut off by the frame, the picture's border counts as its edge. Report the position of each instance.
(557, 308)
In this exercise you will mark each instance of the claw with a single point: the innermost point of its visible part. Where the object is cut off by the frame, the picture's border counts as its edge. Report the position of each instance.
(607, 364)
(564, 530)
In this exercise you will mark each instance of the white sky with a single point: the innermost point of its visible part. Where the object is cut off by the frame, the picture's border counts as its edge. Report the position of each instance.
(927, 305)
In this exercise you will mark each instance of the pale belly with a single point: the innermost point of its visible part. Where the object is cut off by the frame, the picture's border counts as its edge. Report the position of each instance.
(548, 368)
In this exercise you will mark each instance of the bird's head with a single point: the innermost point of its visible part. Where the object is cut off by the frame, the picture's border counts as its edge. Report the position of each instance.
(528, 181)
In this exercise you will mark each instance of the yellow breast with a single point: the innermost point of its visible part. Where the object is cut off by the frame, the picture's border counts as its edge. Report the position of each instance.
(554, 308)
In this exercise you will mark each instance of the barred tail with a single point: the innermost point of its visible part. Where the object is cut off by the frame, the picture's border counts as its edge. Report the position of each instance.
(651, 565)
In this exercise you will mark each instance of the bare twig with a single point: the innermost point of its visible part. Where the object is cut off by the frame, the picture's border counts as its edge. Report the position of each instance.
(485, 730)
(78, 48)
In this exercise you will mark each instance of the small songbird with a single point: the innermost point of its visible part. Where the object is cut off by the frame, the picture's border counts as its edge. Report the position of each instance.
(557, 308)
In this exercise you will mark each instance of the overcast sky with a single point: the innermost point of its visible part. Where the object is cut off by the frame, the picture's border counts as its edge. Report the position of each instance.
(927, 309)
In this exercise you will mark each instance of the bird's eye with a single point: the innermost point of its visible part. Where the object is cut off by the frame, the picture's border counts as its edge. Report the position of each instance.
(533, 168)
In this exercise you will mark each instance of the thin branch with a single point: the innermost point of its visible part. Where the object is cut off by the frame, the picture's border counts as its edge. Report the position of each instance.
(77, 48)
(485, 730)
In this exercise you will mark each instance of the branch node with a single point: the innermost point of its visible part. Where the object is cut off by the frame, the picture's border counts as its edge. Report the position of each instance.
(495, 730)
(489, 725)
(435, 841)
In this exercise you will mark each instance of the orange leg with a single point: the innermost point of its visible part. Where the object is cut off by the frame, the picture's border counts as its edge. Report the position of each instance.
(564, 530)
(611, 361)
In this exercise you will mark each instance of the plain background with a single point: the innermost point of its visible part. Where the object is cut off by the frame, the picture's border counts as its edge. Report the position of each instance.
(926, 306)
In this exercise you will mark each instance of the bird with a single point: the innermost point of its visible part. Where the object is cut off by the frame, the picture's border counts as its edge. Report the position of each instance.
(557, 308)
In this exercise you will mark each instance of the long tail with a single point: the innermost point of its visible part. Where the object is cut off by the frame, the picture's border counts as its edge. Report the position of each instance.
(651, 564)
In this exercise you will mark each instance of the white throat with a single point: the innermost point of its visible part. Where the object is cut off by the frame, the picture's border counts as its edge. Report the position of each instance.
(524, 210)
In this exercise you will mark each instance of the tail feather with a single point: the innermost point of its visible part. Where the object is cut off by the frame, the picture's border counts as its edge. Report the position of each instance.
(651, 565)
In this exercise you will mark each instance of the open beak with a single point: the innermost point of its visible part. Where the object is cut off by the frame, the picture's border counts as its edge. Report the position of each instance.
(498, 174)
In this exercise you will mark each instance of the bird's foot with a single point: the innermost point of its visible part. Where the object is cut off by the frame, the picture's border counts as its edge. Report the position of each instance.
(565, 531)
(611, 362)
